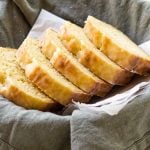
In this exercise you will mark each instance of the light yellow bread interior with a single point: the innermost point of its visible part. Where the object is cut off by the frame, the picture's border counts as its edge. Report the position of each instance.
(43, 75)
(15, 86)
(64, 62)
(117, 46)
(76, 42)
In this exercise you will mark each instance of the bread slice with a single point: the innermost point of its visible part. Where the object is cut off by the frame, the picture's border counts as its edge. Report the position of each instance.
(43, 75)
(63, 61)
(76, 42)
(15, 86)
(117, 46)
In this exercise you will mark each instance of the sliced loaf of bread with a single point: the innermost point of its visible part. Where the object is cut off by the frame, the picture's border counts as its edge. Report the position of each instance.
(43, 75)
(76, 42)
(15, 86)
(117, 46)
(64, 62)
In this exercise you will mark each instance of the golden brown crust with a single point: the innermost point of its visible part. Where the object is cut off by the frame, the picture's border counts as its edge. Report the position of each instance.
(78, 97)
(107, 71)
(15, 86)
(113, 76)
(125, 59)
(142, 67)
(88, 84)
(21, 98)
(39, 77)
(121, 56)
(68, 66)
(46, 80)
(102, 89)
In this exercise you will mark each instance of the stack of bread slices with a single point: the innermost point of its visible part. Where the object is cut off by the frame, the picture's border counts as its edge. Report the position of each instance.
(72, 65)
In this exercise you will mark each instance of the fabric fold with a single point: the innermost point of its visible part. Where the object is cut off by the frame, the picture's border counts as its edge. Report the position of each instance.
(31, 129)
(127, 130)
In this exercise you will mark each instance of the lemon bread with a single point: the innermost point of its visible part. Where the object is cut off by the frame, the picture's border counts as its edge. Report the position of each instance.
(76, 41)
(43, 75)
(15, 86)
(63, 61)
(117, 46)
